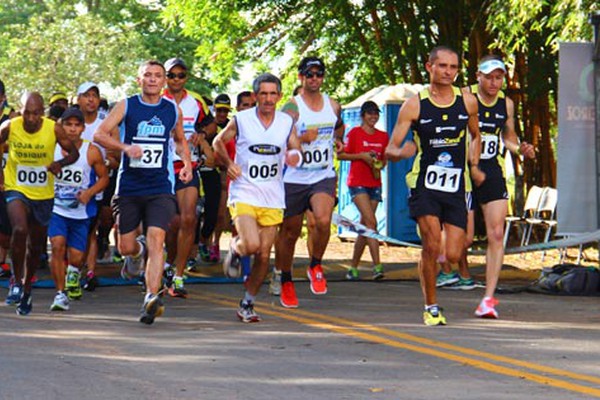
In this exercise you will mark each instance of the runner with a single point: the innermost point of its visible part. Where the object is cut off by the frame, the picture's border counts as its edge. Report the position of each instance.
(28, 185)
(256, 194)
(145, 184)
(365, 146)
(75, 207)
(439, 117)
(496, 122)
(6, 112)
(180, 236)
(313, 185)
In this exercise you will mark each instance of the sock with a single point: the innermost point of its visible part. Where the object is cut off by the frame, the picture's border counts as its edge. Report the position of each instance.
(177, 277)
(139, 254)
(246, 265)
(431, 307)
(286, 276)
(90, 274)
(314, 262)
(72, 268)
(248, 298)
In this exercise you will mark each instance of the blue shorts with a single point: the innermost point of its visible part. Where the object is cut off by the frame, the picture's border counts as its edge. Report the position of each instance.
(41, 210)
(194, 182)
(75, 230)
(373, 192)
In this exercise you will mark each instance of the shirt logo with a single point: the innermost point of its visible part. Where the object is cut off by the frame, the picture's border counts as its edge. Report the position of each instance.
(460, 116)
(425, 121)
(500, 116)
(154, 127)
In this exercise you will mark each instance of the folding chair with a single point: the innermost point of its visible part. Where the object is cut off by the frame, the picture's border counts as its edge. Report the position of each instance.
(529, 210)
(547, 207)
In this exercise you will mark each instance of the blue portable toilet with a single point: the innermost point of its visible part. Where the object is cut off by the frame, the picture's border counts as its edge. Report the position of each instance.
(392, 214)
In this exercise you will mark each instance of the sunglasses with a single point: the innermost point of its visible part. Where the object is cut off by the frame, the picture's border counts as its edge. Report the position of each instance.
(318, 74)
(180, 75)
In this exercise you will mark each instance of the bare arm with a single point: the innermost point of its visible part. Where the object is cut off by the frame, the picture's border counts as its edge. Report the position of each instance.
(409, 112)
(233, 170)
(96, 161)
(103, 136)
(477, 176)
(509, 135)
(4, 129)
(68, 146)
(339, 127)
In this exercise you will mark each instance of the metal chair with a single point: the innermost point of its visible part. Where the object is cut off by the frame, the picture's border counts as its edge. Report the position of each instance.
(529, 211)
(545, 214)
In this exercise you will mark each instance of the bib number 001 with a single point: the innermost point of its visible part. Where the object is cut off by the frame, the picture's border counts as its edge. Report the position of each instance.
(442, 179)
(317, 158)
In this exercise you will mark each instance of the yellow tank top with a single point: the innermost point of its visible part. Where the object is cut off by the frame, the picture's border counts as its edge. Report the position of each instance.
(28, 158)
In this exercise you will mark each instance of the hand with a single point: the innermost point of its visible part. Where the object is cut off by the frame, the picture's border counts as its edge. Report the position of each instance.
(338, 146)
(310, 135)
(83, 196)
(293, 157)
(185, 174)
(133, 151)
(368, 158)
(477, 175)
(234, 171)
(527, 150)
(55, 167)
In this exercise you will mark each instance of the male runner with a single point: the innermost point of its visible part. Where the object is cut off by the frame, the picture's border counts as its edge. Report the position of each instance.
(75, 207)
(439, 117)
(256, 195)
(496, 123)
(180, 236)
(145, 184)
(313, 185)
(28, 185)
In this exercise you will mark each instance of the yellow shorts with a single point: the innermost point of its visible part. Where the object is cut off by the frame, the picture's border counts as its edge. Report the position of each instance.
(264, 216)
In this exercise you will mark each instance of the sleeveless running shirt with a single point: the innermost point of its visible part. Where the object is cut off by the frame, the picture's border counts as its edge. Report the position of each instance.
(148, 126)
(492, 119)
(190, 111)
(317, 155)
(260, 152)
(71, 180)
(440, 134)
(28, 158)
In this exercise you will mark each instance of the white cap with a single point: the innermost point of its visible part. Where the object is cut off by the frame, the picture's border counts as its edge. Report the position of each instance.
(488, 66)
(84, 87)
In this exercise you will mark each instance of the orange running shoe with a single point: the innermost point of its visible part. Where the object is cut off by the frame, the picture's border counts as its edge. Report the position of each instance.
(288, 298)
(318, 283)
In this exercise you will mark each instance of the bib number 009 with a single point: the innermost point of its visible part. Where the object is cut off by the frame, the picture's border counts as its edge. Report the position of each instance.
(32, 176)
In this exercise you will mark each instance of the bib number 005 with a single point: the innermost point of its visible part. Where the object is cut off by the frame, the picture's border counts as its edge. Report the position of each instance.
(263, 172)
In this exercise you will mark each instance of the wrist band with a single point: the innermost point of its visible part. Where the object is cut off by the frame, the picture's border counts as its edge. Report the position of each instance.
(299, 153)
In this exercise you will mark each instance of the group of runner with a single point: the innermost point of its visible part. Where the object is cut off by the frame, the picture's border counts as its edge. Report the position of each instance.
(277, 167)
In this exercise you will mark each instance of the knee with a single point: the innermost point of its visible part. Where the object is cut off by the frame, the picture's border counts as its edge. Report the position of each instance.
(20, 231)
(187, 221)
(496, 234)
(323, 222)
(431, 248)
(249, 245)
(453, 255)
(369, 222)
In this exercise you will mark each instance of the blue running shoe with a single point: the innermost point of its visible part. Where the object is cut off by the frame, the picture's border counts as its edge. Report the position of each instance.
(25, 305)
(14, 294)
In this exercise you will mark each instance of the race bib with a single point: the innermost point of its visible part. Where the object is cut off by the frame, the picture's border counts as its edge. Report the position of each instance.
(263, 171)
(70, 176)
(151, 156)
(316, 155)
(443, 179)
(4, 159)
(32, 176)
(489, 146)
(194, 153)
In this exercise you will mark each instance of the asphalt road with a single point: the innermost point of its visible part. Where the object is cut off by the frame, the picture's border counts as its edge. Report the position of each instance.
(363, 340)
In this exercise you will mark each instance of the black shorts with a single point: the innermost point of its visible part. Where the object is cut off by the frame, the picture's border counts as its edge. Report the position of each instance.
(155, 210)
(450, 208)
(108, 193)
(297, 195)
(5, 227)
(41, 210)
(491, 189)
(194, 182)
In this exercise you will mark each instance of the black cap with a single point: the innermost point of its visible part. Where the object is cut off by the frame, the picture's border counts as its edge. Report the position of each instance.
(222, 101)
(310, 62)
(173, 62)
(369, 107)
(73, 112)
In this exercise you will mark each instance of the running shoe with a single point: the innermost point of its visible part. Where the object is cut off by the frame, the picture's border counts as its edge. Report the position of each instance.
(487, 308)
(5, 271)
(25, 304)
(462, 284)
(352, 274)
(378, 272)
(177, 289)
(444, 279)
(215, 253)
(246, 313)
(60, 303)
(14, 293)
(117, 257)
(288, 298)
(91, 282)
(73, 284)
(232, 263)
(275, 283)
(204, 253)
(132, 266)
(152, 308)
(318, 283)
(190, 264)
(433, 316)
(168, 275)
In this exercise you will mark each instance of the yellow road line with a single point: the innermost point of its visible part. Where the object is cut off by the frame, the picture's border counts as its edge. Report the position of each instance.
(353, 329)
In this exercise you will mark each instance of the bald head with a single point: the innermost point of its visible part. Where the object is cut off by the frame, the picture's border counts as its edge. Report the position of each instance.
(32, 111)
